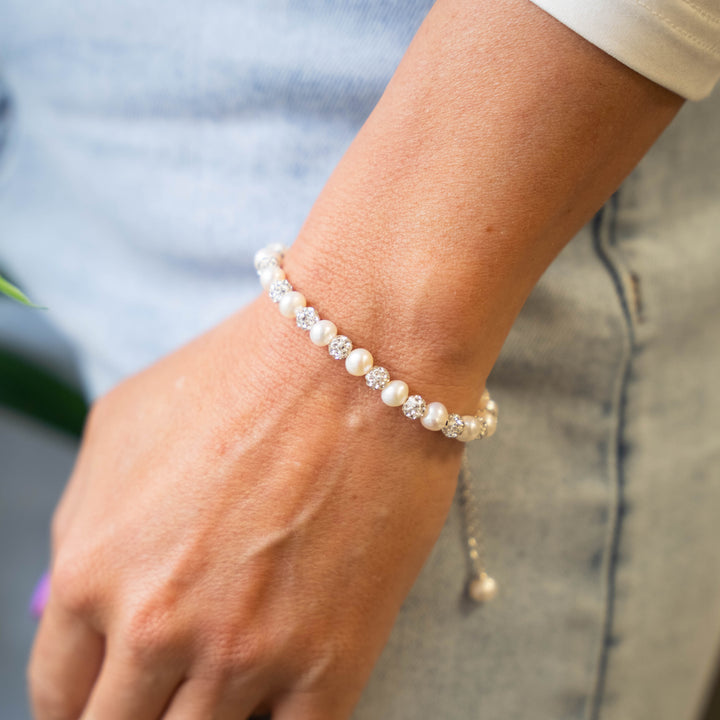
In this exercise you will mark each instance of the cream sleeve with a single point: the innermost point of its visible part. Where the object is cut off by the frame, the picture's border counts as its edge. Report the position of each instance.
(676, 43)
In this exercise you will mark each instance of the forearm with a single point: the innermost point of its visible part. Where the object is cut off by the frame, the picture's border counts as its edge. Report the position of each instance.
(499, 136)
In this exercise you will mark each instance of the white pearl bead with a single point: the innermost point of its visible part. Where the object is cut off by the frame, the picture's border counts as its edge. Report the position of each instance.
(482, 588)
(290, 302)
(395, 393)
(322, 332)
(278, 248)
(484, 399)
(491, 422)
(270, 274)
(435, 416)
(471, 429)
(262, 254)
(491, 407)
(359, 361)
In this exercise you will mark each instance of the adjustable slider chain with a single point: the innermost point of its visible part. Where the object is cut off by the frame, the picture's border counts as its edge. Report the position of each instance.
(480, 586)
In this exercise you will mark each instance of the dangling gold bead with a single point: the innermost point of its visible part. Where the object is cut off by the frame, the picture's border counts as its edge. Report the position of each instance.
(482, 588)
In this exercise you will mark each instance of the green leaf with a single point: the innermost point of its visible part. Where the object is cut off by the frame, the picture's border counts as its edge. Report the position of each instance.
(7, 288)
(31, 389)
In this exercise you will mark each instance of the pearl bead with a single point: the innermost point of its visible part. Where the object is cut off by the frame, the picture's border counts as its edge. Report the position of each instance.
(359, 361)
(491, 407)
(471, 429)
(270, 274)
(484, 399)
(482, 588)
(395, 393)
(322, 332)
(277, 248)
(435, 416)
(491, 422)
(290, 302)
(263, 253)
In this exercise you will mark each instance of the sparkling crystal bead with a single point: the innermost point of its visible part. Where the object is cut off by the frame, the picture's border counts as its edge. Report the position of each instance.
(278, 289)
(263, 253)
(340, 347)
(265, 262)
(306, 317)
(454, 426)
(483, 431)
(377, 378)
(414, 407)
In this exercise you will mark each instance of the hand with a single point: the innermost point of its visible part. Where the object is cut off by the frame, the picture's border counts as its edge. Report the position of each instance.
(241, 528)
(245, 520)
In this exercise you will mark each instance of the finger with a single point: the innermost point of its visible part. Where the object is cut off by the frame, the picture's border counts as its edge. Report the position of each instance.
(64, 662)
(130, 687)
(200, 698)
(313, 706)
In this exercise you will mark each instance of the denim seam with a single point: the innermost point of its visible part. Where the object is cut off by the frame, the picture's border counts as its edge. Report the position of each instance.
(604, 238)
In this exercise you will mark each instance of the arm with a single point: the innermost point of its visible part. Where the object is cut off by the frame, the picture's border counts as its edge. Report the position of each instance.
(501, 133)
(244, 520)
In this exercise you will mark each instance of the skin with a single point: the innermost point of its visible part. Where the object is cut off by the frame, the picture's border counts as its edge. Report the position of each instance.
(245, 519)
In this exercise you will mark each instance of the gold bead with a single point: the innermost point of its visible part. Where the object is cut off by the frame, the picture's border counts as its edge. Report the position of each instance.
(482, 588)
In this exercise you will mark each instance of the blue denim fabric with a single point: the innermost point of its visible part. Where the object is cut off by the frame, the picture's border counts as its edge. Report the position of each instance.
(153, 148)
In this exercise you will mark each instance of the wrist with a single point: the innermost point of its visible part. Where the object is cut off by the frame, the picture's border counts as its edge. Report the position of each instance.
(442, 317)
(414, 327)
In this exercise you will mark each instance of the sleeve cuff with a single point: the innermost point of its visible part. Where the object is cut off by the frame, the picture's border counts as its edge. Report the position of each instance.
(675, 44)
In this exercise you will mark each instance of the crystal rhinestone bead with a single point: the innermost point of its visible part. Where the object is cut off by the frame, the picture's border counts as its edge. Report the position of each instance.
(263, 253)
(266, 262)
(414, 407)
(278, 289)
(340, 347)
(454, 426)
(377, 378)
(306, 317)
(483, 427)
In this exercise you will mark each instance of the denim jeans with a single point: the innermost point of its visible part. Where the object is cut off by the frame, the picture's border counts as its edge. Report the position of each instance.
(151, 148)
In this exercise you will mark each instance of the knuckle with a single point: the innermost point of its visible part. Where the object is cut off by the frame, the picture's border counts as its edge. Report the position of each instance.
(244, 655)
(151, 632)
(321, 656)
(233, 655)
(71, 581)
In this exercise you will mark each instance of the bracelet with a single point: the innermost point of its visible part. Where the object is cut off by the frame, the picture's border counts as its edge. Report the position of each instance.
(480, 587)
(359, 361)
